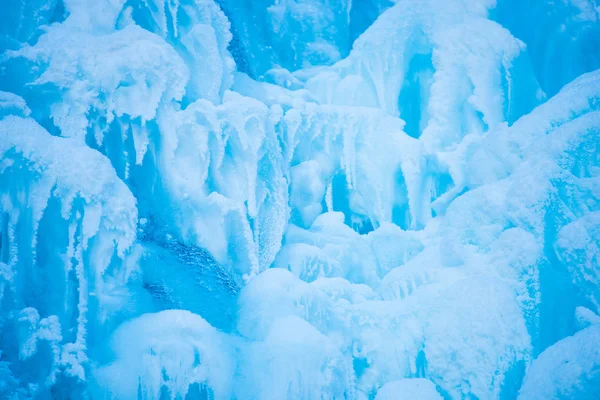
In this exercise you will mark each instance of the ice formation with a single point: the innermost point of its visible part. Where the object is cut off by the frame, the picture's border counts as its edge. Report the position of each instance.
(300, 199)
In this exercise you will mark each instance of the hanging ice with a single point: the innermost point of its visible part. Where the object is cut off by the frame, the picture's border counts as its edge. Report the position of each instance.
(299, 199)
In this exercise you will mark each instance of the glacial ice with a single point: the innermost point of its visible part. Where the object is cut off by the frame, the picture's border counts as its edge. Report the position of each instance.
(299, 199)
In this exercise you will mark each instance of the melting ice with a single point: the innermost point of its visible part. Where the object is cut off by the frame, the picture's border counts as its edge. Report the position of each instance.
(300, 199)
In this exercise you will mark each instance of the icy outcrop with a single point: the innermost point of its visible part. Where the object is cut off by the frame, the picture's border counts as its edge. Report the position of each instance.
(293, 345)
(579, 248)
(148, 72)
(564, 45)
(408, 389)
(429, 64)
(172, 353)
(198, 31)
(475, 340)
(129, 110)
(226, 208)
(567, 369)
(21, 21)
(344, 142)
(276, 36)
(299, 199)
(430, 49)
(64, 238)
(11, 104)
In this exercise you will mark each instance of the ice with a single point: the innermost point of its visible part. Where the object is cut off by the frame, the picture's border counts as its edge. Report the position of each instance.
(328, 249)
(293, 345)
(111, 207)
(586, 317)
(274, 294)
(299, 199)
(172, 353)
(415, 50)
(417, 388)
(63, 240)
(148, 71)
(475, 338)
(226, 209)
(393, 247)
(21, 21)
(578, 246)
(11, 104)
(331, 249)
(202, 41)
(296, 34)
(561, 49)
(567, 369)
(365, 187)
(363, 327)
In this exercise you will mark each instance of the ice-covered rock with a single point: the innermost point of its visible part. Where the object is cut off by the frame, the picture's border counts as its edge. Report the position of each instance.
(586, 317)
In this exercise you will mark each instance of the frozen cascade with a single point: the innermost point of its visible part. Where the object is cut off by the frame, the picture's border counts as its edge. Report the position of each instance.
(299, 199)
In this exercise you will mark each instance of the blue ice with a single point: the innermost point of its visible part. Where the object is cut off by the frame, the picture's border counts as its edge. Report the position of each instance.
(299, 199)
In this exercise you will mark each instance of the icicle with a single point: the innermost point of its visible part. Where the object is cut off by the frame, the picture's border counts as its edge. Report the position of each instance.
(140, 142)
(329, 196)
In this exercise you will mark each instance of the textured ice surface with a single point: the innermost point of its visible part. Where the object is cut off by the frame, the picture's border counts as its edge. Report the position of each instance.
(299, 199)
(416, 388)
(566, 370)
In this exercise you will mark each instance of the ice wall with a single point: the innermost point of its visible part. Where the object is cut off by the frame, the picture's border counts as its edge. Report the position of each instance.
(299, 199)
(64, 243)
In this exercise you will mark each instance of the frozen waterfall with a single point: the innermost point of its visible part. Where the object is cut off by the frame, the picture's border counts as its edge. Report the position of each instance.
(300, 199)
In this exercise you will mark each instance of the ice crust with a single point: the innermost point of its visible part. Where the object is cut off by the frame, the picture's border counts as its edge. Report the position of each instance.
(300, 199)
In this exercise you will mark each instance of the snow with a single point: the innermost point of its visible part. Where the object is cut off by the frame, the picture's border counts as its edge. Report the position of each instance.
(299, 199)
